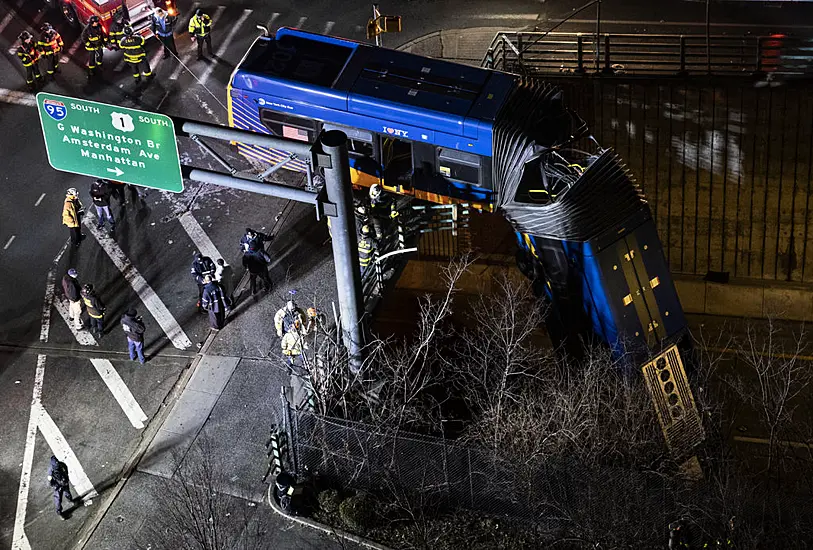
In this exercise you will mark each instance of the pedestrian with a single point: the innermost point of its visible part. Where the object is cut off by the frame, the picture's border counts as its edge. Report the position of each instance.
(287, 318)
(202, 266)
(72, 212)
(29, 55)
(257, 266)
(224, 275)
(215, 302)
(100, 192)
(94, 39)
(50, 45)
(163, 25)
(135, 55)
(254, 242)
(200, 27)
(115, 33)
(95, 308)
(60, 482)
(73, 292)
(133, 326)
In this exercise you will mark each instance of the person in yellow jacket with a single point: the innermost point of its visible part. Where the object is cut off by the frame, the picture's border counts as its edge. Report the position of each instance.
(72, 216)
(200, 27)
(95, 308)
(50, 45)
(132, 45)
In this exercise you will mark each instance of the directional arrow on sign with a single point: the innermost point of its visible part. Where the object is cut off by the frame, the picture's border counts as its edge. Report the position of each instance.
(118, 171)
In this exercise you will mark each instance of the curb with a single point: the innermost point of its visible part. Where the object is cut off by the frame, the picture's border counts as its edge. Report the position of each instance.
(332, 531)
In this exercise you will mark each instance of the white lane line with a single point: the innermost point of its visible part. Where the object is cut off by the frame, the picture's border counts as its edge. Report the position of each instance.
(199, 236)
(10, 15)
(194, 50)
(53, 436)
(82, 336)
(224, 46)
(121, 392)
(50, 284)
(156, 58)
(10, 240)
(20, 98)
(39, 200)
(274, 17)
(19, 540)
(71, 52)
(154, 304)
(328, 27)
(301, 22)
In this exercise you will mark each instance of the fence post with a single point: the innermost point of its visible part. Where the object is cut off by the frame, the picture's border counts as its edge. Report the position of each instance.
(759, 55)
(682, 70)
(580, 54)
(607, 62)
(471, 483)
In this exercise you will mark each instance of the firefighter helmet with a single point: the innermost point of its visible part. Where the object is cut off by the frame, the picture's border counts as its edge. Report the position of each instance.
(375, 191)
(312, 312)
(46, 27)
(26, 36)
(128, 30)
(365, 229)
(94, 20)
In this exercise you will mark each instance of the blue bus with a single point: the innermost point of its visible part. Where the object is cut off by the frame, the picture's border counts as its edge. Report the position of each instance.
(446, 133)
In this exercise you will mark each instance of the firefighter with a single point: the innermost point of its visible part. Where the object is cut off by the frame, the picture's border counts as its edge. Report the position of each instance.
(116, 32)
(200, 27)
(29, 55)
(135, 54)
(50, 45)
(94, 39)
(366, 247)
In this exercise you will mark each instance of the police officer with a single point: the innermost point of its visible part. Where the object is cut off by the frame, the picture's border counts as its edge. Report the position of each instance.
(365, 248)
(254, 242)
(116, 31)
(200, 27)
(95, 309)
(59, 481)
(29, 55)
(135, 54)
(257, 265)
(214, 301)
(50, 45)
(163, 25)
(94, 39)
(202, 266)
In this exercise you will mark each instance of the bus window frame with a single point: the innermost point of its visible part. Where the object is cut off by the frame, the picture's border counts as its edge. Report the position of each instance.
(461, 158)
(354, 136)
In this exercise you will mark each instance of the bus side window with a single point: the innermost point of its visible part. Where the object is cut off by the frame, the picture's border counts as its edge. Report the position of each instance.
(396, 158)
(458, 165)
(289, 126)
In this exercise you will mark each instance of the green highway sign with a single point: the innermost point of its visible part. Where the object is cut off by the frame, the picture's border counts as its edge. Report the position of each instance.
(107, 141)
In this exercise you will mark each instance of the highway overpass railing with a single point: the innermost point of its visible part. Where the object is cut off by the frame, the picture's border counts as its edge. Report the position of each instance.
(648, 54)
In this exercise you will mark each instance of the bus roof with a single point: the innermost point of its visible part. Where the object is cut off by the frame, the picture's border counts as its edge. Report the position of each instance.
(375, 84)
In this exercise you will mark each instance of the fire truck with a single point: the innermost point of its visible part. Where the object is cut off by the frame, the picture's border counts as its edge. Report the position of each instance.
(77, 12)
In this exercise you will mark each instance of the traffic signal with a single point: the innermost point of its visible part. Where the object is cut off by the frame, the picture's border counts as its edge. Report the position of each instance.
(383, 24)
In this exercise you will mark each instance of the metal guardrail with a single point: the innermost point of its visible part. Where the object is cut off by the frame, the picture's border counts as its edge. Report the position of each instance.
(649, 54)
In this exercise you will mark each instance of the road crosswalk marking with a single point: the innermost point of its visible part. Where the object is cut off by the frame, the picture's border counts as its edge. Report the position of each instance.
(224, 46)
(328, 27)
(121, 392)
(152, 302)
(59, 446)
(25, 99)
(301, 23)
(82, 336)
(199, 236)
(188, 57)
(10, 15)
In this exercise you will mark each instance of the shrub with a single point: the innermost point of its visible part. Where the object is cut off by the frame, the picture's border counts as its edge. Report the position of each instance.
(358, 512)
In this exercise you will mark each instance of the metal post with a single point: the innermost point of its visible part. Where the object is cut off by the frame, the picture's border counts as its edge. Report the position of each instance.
(376, 15)
(580, 54)
(598, 34)
(608, 69)
(682, 55)
(345, 243)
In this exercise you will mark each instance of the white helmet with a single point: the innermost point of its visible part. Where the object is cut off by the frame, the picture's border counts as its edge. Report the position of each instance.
(375, 191)
(72, 192)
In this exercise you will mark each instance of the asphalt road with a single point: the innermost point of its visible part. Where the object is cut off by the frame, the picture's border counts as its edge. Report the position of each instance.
(66, 393)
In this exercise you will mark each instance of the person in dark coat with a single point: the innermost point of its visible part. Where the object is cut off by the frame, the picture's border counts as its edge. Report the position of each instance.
(95, 308)
(133, 327)
(254, 242)
(73, 292)
(257, 266)
(59, 481)
(214, 301)
(100, 192)
(202, 266)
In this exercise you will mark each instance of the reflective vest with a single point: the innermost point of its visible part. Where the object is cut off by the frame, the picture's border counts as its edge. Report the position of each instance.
(200, 26)
(133, 48)
(116, 33)
(28, 54)
(50, 43)
(365, 251)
